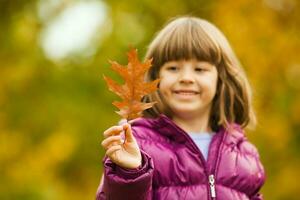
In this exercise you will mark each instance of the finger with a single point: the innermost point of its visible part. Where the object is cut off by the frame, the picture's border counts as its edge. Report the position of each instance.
(111, 141)
(112, 150)
(128, 133)
(112, 131)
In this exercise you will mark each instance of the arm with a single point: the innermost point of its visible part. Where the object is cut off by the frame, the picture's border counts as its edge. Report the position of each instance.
(258, 176)
(261, 179)
(118, 183)
(128, 170)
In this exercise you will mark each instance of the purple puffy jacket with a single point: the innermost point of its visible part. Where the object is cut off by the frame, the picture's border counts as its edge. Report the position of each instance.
(174, 168)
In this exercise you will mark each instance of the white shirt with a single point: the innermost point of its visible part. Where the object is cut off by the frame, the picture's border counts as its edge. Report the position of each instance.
(202, 140)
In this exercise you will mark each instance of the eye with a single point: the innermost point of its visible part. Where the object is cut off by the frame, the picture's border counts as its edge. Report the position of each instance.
(199, 69)
(172, 68)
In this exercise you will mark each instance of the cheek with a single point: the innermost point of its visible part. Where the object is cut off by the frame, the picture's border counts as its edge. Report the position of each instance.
(210, 85)
(165, 83)
(213, 85)
(163, 87)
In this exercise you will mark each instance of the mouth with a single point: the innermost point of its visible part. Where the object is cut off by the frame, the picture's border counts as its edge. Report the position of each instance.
(186, 92)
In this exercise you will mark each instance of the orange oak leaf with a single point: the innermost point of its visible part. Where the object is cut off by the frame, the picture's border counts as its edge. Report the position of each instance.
(134, 88)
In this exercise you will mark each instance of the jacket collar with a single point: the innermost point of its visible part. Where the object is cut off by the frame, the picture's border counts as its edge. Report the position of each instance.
(165, 126)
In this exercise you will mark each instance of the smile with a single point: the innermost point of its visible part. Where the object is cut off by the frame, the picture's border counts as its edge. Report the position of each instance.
(185, 92)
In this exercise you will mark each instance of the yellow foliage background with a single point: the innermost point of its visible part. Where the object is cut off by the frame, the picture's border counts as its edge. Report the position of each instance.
(52, 114)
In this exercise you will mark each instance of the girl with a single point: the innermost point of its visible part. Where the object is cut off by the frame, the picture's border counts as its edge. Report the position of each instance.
(191, 144)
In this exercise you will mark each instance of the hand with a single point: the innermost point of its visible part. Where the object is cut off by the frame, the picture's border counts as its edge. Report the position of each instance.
(125, 154)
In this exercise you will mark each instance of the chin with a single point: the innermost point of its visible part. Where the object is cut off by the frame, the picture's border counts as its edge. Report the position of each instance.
(189, 110)
(184, 112)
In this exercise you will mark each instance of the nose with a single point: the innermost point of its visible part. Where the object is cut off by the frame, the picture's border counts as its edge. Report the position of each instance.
(186, 77)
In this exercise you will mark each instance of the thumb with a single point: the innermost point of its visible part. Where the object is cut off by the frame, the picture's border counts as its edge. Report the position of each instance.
(128, 133)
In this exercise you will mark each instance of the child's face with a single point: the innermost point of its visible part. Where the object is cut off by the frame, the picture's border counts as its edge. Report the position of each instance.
(188, 86)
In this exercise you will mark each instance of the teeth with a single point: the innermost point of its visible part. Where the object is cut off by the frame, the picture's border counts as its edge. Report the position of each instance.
(186, 93)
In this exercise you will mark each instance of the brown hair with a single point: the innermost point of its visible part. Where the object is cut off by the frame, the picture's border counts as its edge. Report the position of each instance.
(193, 38)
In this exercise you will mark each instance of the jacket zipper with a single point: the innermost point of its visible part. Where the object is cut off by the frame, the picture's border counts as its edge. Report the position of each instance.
(211, 173)
(211, 179)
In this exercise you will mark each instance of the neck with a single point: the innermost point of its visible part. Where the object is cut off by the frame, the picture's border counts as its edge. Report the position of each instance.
(199, 123)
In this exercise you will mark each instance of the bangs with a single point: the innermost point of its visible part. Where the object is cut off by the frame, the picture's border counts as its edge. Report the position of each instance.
(185, 41)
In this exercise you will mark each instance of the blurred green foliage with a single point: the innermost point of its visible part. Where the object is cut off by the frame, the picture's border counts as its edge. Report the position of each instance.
(52, 114)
